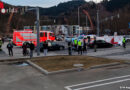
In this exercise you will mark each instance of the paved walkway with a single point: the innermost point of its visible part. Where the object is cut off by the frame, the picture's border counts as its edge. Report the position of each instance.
(113, 53)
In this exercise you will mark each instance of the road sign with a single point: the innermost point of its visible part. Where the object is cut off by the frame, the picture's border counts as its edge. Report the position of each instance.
(1, 5)
(129, 25)
(3, 11)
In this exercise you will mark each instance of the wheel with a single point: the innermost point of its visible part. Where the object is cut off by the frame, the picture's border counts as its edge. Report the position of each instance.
(62, 48)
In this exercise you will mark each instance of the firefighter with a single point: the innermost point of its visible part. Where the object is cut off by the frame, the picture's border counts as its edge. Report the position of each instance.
(10, 48)
(75, 44)
(79, 47)
(0, 44)
(124, 42)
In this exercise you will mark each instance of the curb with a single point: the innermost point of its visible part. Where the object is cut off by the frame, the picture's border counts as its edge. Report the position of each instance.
(127, 62)
(38, 67)
(105, 65)
(68, 70)
(53, 72)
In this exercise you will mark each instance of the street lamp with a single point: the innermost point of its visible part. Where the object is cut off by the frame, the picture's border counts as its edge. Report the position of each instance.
(98, 22)
(79, 15)
(37, 27)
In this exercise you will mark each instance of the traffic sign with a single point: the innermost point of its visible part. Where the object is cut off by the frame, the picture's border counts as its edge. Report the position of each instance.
(1, 5)
(129, 25)
(3, 11)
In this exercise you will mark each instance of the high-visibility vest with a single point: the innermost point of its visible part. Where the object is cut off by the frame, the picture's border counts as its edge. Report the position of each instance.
(0, 42)
(79, 43)
(75, 42)
(124, 40)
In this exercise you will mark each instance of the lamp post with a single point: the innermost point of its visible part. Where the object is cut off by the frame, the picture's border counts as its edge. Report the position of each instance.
(38, 24)
(78, 17)
(87, 24)
(98, 22)
(37, 27)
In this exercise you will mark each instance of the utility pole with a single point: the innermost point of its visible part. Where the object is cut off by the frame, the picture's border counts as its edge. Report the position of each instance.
(37, 26)
(98, 24)
(78, 16)
(87, 24)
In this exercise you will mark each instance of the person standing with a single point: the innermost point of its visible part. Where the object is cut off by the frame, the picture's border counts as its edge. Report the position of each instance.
(10, 48)
(79, 47)
(70, 48)
(84, 46)
(3, 40)
(124, 42)
(0, 44)
(95, 45)
(32, 47)
(45, 48)
(75, 44)
(24, 49)
(88, 39)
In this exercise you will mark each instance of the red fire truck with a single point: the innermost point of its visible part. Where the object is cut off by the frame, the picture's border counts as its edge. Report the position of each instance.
(19, 37)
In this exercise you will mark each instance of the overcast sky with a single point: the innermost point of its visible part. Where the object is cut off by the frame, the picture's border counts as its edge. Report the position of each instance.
(41, 3)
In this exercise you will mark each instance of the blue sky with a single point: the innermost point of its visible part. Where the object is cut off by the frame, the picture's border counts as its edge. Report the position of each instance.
(41, 3)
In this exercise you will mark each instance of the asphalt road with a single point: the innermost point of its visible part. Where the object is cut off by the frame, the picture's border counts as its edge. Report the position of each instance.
(114, 52)
(14, 77)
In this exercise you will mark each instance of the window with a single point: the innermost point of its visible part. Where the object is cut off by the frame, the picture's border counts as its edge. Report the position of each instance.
(45, 34)
(50, 34)
(41, 35)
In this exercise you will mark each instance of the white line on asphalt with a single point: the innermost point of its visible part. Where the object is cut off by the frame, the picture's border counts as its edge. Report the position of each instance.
(68, 87)
(102, 84)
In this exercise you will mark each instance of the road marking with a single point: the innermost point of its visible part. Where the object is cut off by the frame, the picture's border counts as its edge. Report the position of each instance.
(102, 84)
(69, 87)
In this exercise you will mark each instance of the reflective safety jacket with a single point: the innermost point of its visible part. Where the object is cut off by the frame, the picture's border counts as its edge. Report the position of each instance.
(75, 42)
(79, 43)
(0, 42)
(124, 41)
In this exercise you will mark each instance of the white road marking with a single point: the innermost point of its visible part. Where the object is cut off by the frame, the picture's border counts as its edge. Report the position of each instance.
(103, 84)
(69, 87)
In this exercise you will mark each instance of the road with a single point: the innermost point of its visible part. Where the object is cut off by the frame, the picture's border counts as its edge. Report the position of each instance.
(113, 53)
(14, 77)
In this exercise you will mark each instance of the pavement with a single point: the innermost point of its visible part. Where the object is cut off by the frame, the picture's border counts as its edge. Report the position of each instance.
(15, 77)
(112, 53)
(25, 77)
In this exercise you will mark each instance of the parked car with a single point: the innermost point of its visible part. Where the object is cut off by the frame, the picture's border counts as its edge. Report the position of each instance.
(127, 38)
(59, 38)
(54, 46)
(100, 44)
(69, 38)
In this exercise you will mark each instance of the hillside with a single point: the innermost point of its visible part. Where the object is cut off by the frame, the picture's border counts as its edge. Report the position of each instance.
(67, 13)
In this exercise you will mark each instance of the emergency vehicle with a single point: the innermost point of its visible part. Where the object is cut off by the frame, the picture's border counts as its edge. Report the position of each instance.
(19, 37)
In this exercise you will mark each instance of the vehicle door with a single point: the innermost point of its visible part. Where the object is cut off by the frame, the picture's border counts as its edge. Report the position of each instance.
(100, 44)
(104, 44)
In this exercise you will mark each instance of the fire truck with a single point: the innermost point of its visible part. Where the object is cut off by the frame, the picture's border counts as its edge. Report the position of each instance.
(19, 37)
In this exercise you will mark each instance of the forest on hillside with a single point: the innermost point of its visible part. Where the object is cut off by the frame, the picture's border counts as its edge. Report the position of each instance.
(67, 13)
